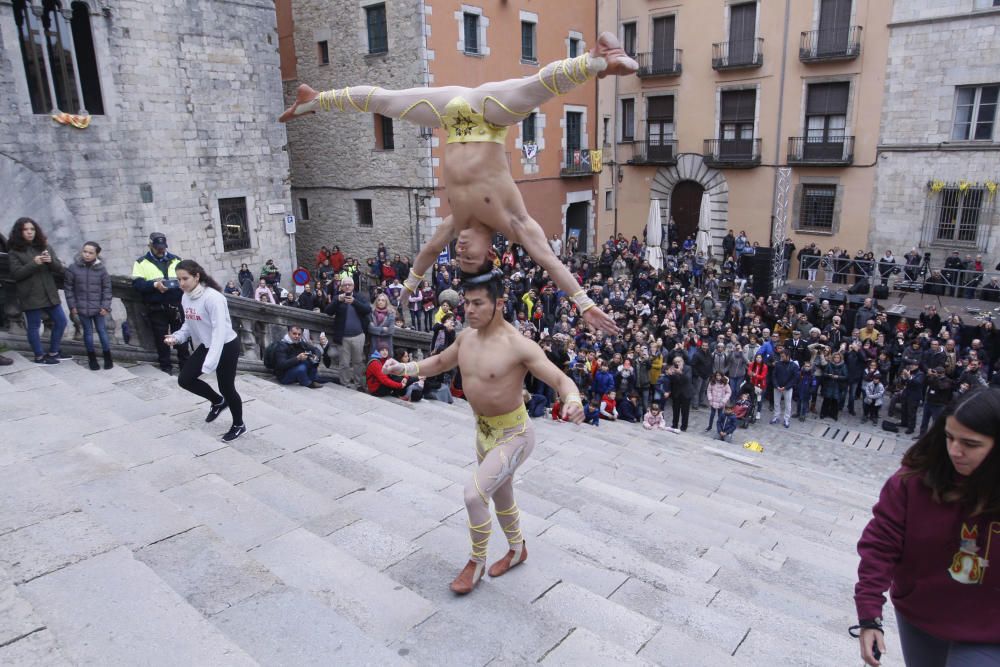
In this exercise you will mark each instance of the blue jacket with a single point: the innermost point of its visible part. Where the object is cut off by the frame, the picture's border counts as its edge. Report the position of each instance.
(784, 374)
(604, 382)
(629, 412)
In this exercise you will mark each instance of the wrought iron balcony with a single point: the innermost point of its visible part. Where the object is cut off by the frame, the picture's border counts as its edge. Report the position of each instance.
(577, 163)
(666, 62)
(740, 54)
(732, 153)
(833, 44)
(657, 151)
(821, 152)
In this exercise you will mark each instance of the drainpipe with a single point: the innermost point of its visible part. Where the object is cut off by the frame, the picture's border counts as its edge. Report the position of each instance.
(614, 131)
(781, 109)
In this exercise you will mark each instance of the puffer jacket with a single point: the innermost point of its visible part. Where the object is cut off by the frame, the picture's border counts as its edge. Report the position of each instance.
(718, 394)
(36, 284)
(87, 287)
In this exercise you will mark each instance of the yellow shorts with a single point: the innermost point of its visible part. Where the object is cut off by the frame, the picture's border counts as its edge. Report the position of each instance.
(494, 431)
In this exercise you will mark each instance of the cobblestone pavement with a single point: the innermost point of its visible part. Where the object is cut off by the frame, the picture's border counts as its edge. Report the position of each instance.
(130, 534)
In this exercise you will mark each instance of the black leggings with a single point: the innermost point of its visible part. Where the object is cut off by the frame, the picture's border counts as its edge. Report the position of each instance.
(225, 373)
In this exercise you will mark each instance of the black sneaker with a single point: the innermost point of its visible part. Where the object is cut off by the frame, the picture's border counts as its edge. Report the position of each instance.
(234, 432)
(46, 359)
(63, 356)
(215, 411)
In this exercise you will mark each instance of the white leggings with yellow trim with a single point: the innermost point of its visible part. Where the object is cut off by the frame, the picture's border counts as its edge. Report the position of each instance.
(494, 479)
(501, 102)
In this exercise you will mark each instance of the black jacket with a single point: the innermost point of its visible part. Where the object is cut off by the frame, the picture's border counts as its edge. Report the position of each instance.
(338, 310)
(286, 352)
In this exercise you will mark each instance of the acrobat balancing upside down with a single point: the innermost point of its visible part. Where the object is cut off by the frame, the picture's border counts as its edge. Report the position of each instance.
(481, 191)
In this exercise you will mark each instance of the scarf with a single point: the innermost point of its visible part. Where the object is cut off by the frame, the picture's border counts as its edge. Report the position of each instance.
(380, 315)
(197, 292)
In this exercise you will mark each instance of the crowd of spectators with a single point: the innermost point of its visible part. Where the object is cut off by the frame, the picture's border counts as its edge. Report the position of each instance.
(694, 336)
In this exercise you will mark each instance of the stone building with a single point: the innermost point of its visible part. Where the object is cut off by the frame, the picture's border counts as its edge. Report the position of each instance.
(730, 93)
(181, 97)
(354, 190)
(940, 137)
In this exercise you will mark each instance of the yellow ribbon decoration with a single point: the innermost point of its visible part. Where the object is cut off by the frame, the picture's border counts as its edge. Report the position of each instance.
(79, 122)
(753, 446)
(991, 187)
(937, 186)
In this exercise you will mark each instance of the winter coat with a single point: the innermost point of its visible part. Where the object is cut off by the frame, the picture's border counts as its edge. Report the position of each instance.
(604, 382)
(874, 393)
(784, 374)
(736, 364)
(835, 381)
(649, 422)
(718, 394)
(87, 287)
(701, 364)
(758, 374)
(382, 335)
(36, 284)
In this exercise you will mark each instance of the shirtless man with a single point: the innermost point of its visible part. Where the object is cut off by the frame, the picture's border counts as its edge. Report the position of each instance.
(482, 194)
(494, 359)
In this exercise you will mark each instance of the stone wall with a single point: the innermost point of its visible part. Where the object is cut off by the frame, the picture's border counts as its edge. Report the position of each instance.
(923, 9)
(191, 91)
(334, 155)
(927, 61)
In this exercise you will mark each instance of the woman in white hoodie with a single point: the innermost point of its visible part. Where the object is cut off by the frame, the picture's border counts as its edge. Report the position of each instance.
(217, 348)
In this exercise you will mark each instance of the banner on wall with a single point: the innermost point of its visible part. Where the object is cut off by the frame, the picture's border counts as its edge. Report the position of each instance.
(595, 161)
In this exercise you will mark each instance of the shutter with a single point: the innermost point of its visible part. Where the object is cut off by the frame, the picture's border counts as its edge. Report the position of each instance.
(827, 99)
(660, 108)
(738, 105)
(663, 34)
(742, 19)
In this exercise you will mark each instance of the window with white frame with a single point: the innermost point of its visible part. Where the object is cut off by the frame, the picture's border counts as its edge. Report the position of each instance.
(628, 119)
(609, 200)
(470, 27)
(574, 47)
(975, 113)
(629, 37)
(529, 50)
(528, 128)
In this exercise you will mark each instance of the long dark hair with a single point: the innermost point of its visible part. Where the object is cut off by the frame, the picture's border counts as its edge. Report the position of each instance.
(979, 492)
(194, 268)
(16, 240)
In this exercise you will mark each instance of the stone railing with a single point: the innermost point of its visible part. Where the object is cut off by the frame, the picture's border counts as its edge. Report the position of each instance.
(256, 323)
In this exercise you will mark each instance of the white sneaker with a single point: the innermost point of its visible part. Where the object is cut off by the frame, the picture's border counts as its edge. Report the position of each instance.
(673, 430)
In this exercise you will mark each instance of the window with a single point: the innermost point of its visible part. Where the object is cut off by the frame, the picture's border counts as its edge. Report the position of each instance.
(834, 26)
(528, 42)
(384, 138)
(364, 207)
(959, 214)
(378, 34)
(816, 212)
(826, 120)
(233, 218)
(574, 130)
(736, 121)
(663, 44)
(609, 200)
(975, 113)
(628, 119)
(742, 29)
(574, 46)
(303, 208)
(58, 55)
(629, 33)
(607, 131)
(471, 27)
(660, 126)
(528, 126)
(323, 52)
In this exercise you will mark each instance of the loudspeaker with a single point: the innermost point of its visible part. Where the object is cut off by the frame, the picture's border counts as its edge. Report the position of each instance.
(763, 278)
(796, 293)
(860, 287)
(889, 426)
(881, 292)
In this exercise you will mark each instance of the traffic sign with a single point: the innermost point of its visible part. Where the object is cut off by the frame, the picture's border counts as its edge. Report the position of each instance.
(289, 224)
(301, 276)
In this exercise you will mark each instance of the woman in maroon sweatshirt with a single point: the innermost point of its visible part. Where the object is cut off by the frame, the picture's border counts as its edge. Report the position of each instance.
(934, 534)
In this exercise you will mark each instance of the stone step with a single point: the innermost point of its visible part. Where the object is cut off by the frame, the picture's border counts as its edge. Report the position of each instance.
(112, 609)
(382, 607)
(581, 646)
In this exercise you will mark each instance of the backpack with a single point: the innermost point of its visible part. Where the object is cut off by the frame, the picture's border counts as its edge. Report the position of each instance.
(269, 355)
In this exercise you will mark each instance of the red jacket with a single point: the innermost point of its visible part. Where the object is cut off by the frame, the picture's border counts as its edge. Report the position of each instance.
(931, 557)
(337, 261)
(758, 374)
(376, 378)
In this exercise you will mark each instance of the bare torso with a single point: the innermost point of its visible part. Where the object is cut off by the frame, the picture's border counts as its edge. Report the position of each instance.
(481, 192)
(493, 369)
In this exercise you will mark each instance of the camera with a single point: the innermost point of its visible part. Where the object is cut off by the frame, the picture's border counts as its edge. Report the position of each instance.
(171, 283)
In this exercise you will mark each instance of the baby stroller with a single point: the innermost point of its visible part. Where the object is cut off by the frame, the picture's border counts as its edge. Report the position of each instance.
(751, 415)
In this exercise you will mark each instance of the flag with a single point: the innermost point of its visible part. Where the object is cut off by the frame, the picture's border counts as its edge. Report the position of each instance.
(595, 161)
(530, 151)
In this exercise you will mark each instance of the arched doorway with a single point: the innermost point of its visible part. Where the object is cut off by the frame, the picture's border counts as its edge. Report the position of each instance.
(691, 170)
(685, 208)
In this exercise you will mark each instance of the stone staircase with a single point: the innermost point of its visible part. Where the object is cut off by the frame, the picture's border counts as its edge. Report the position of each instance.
(130, 534)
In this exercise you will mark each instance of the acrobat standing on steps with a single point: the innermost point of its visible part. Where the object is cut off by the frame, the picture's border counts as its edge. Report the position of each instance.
(494, 359)
(481, 191)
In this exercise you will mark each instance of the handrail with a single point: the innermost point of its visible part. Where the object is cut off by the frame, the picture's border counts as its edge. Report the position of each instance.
(256, 323)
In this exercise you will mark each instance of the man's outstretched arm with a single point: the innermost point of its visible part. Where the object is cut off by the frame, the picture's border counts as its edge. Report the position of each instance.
(539, 365)
(428, 367)
(425, 259)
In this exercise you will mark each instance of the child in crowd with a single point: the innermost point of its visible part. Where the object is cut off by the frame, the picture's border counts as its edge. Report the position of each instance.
(874, 394)
(728, 421)
(592, 412)
(654, 421)
(742, 408)
(609, 406)
(629, 410)
(719, 392)
(806, 389)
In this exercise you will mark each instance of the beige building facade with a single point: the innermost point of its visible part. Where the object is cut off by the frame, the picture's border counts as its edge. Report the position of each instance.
(730, 92)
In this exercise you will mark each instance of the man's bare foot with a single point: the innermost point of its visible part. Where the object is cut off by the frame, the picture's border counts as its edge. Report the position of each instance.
(619, 63)
(468, 578)
(513, 558)
(303, 95)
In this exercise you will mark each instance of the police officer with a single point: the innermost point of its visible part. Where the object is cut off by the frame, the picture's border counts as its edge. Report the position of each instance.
(154, 278)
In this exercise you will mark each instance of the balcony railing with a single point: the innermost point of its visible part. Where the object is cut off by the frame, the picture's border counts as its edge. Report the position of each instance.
(739, 54)
(666, 62)
(657, 151)
(732, 153)
(833, 44)
(828, 151)
(577, 163)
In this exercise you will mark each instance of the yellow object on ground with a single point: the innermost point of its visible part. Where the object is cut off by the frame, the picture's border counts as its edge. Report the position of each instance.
(753, 446)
